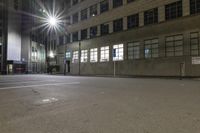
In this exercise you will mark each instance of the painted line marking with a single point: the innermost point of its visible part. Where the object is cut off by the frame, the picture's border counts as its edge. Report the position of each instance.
(29, 86)
(33, 81)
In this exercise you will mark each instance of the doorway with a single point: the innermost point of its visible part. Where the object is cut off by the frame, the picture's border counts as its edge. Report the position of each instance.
(68, 66)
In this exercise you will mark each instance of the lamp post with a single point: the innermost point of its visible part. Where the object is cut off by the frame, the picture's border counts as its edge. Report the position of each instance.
(52, 23)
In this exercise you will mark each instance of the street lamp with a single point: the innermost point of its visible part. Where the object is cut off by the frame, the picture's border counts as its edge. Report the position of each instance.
(52, 21)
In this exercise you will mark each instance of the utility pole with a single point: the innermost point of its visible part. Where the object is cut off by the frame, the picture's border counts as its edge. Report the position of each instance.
(79, 61)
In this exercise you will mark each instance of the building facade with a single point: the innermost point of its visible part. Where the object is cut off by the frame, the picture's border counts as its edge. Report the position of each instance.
(21, 50)
(132, 37)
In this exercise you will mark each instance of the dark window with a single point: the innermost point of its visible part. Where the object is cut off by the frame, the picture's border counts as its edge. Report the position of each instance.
(174, 45)
(84, 14)
(68, 22)
(133, 21)
(151, 16)
(194, 6)
(118, 25)
(61, 40)
(67, 39)
(75, 36)
(117, 3)
(104, 6)
(93, 10)
(128, 1)
(16, 4)
(74, 2)
(173, 10)
(75, 18)
(84, 34)
(93, 31)
(104, 29)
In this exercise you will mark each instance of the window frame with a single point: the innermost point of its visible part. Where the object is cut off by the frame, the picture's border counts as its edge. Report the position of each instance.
(153, 50)
(94, 55)
(132, 51)
(75, 57)
(118, 25)
(119, 51)
(151, 16)
(84, 56)
(105, 54)
(197, 38)
(174, 8)
(174, 46)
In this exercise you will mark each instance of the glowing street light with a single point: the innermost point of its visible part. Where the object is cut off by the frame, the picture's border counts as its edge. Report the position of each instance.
(52, 21)
(51, 54)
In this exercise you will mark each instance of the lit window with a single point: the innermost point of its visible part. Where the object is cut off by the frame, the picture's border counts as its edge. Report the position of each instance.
(68, 55)
(104, 54)
(93, 55)
(84, 56)
(118, 52)
(151, 48)
(134, 50)
(75, 57)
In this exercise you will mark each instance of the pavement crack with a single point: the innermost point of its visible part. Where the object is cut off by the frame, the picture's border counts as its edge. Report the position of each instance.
(35, 92)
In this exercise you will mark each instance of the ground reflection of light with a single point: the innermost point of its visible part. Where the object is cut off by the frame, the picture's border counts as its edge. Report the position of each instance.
(49, 100)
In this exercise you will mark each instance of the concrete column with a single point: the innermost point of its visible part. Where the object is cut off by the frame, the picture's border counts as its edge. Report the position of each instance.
(70, 37)
(141, 19)
(142, 56)
(161, 14)
(88, 12)
(186, 44)
(79, 35)
(70, 20)
(88, 33)
(71, 2)
(98, 8)
(125, 51)
(111, 27)
(186, 7)
(79, 16)
(124, 2)
(125, 23)
(110, 4)
(161, 43)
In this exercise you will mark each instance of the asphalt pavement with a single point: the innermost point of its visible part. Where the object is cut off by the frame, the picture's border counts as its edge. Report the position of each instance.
(72, 104)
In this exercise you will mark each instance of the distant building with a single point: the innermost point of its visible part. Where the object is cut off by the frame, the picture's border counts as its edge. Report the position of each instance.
(22, 49)
(132, 37)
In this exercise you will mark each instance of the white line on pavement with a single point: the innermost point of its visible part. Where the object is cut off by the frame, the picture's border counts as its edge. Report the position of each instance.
(29, 86)
(33, 81)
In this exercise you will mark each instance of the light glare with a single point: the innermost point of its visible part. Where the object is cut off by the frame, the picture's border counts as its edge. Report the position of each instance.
(52, 21)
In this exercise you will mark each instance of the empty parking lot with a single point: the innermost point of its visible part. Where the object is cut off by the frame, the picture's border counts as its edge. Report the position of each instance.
(67, 104)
